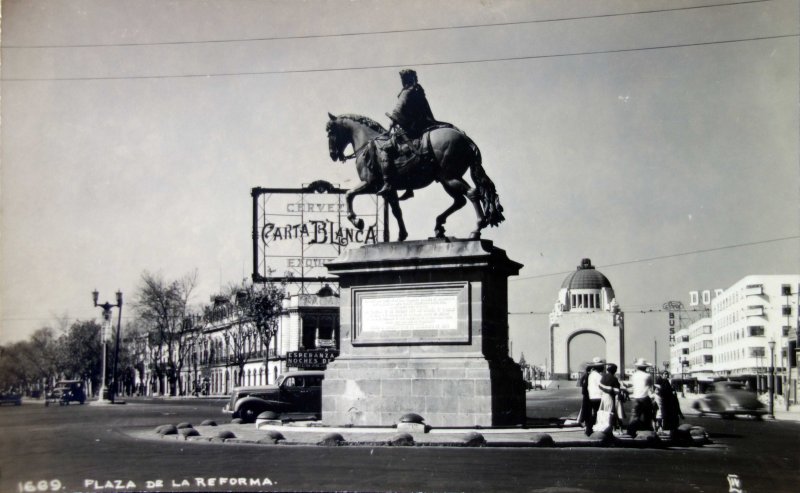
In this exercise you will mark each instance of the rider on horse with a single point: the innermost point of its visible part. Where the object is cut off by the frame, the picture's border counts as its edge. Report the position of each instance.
(411, 117)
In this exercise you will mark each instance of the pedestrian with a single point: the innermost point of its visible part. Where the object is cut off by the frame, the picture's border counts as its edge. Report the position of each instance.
(641, 395)
(607, 416)
(583, 383)
(669, 413)
(595, 375)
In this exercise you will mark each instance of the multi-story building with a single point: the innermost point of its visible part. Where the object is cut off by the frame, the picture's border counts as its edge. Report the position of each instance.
(753, 327)
(701, 350)
(679, 354)
(748, 317)
(222, 349)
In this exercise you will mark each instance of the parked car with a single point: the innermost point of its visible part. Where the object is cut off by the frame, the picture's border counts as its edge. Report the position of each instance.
(10, 398)
(729, 399)
(66, 391)
(296, 393)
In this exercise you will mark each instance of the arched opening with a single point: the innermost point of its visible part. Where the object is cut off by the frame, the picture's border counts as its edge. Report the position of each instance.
(582, 346)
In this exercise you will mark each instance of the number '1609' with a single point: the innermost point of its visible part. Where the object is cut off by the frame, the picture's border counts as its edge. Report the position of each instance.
(43, 485)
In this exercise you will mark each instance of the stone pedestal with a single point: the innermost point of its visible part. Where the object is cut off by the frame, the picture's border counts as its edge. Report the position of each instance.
(424, 329)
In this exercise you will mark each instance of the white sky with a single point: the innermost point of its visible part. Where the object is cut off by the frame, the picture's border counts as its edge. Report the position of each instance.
(613, 137)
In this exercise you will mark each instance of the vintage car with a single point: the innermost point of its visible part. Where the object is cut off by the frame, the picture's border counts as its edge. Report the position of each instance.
(66, 391)
(10, 398)
(729, 399)
(296, 394)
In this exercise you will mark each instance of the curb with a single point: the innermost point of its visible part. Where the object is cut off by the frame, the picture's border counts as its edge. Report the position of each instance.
(331, 437)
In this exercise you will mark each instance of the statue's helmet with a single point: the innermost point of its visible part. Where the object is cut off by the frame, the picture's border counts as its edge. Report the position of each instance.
(408, 77)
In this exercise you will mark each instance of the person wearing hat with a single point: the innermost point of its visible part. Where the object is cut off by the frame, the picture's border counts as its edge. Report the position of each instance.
(595, 376)
(412, 114)
(641, 395)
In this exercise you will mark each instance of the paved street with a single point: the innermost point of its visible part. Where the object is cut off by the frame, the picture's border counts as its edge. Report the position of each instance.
(87, 448)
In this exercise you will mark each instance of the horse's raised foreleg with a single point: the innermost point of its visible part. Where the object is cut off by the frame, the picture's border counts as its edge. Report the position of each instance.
(349, 195)
(394, 204)
(455, 188)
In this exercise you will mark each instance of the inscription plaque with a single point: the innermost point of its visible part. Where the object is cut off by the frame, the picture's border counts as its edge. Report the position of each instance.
(406, 313)
(423, 313)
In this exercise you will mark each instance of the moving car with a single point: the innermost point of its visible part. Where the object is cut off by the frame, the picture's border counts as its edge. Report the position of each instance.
(10, 398)
(729, 399)
(296, 393)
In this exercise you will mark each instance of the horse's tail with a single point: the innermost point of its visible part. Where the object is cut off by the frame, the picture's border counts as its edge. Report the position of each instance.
(490, 201)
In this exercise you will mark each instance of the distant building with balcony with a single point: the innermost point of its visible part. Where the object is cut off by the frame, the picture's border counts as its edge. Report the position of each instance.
(221, 349)
(745, 318)
(734, 342)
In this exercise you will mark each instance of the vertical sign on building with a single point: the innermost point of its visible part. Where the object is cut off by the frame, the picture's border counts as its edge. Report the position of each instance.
(671, 329)
(672, 307)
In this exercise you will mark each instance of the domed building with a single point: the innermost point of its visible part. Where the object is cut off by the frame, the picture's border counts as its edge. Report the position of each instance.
(586, 305)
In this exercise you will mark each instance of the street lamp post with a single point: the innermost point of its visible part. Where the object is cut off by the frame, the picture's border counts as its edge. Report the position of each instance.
(107, 318)
(771, 383)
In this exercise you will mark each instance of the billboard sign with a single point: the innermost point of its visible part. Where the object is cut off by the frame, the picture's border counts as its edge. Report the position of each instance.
(296, 231)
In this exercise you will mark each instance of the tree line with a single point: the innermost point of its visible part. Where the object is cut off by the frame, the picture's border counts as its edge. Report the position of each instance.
(164, 330)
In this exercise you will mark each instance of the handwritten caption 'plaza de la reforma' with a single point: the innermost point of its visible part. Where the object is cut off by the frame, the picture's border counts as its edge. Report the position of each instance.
(188, 484)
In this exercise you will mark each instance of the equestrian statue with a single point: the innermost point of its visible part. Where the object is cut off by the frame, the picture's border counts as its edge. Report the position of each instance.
(416, 151)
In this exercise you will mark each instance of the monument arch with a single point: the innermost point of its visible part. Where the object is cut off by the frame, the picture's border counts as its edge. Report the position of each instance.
(586, 304)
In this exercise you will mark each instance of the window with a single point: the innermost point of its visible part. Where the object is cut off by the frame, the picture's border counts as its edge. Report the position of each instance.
(756, 330)
(786, 290)
(708, 358)
(757, 352)
(787, 310)
(685, 351)
(707, 344)
(785, 330)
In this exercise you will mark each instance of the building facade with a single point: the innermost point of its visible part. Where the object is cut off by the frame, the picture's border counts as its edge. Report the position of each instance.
(752, 328)
(222, 349)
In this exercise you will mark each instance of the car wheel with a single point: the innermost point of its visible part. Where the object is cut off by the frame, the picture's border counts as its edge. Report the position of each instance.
(248, 413)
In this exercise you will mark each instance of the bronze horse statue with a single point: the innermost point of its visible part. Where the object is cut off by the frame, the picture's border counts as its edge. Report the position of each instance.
(452, 154)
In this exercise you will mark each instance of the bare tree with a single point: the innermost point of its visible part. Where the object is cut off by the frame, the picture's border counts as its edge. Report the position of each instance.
(163, 307)
(261, 307)
(42, 352)
(80, 354)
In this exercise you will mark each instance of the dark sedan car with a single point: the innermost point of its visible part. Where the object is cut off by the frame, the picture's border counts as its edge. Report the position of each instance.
(10, 398)
(729, 399)
(297, 394)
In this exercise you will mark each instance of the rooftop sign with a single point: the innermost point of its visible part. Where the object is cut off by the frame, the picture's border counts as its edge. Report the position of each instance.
(297, 230)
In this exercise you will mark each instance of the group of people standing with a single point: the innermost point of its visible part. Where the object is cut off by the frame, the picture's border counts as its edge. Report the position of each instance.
(655, 404)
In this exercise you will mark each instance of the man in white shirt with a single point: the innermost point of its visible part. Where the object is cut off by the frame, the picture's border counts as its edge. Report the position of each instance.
(595, 369)
(642, 398)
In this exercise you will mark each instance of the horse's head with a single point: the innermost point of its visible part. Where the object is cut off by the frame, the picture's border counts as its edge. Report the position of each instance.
(337, 141)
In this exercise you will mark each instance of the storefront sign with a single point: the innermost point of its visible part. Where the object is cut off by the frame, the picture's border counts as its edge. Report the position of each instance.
(315, 359)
